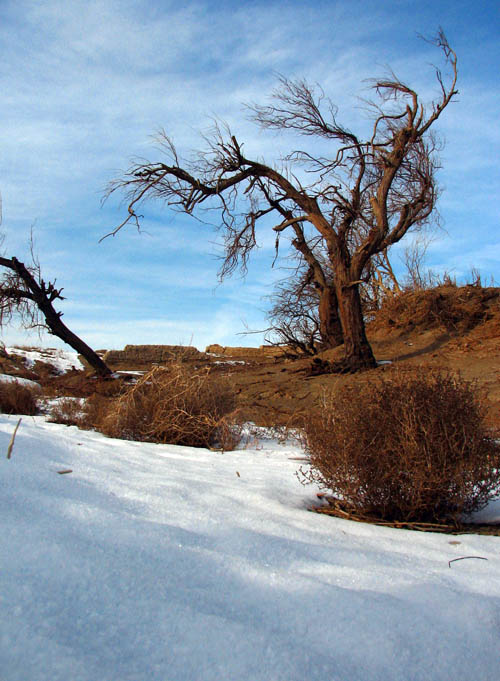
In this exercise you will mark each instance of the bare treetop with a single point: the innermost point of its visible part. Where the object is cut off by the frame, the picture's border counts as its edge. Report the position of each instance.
(363, 195)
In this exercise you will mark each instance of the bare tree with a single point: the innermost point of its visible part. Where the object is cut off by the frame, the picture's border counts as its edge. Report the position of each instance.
(364, 196)
(294, 318)
(294, 314)
(23, 292)
(380, 283)
(417, 277)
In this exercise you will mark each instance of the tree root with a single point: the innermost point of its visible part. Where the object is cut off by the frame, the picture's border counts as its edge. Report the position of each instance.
(348, 365)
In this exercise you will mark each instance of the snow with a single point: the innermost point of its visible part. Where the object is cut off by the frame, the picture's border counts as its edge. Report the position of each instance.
(61, 360)
(162, 563)
(490, 514)
(6, 378)
(231, 362)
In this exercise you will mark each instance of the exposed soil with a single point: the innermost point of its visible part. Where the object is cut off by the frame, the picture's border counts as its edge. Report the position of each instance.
(456, 328)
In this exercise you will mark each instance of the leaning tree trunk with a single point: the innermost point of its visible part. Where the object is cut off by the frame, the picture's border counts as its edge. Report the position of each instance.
(59, 329)
(42, 295)
(330, 328)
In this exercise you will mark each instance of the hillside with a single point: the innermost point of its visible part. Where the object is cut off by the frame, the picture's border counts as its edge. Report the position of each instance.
(456, 328)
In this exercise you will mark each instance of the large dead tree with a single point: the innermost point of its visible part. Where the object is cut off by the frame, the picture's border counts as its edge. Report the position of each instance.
(24, 293)
(294, 313)
(361, 197)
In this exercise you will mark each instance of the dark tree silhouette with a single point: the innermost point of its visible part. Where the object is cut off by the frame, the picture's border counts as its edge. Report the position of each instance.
(361, 196)
(294, 318)
(25, 293)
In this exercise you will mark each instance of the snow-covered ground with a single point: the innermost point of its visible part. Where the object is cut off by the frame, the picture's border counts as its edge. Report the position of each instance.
(164, 563)
(6, 378)
(61, 360)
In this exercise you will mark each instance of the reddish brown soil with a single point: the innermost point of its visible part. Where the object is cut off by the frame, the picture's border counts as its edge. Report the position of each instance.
(456, 328)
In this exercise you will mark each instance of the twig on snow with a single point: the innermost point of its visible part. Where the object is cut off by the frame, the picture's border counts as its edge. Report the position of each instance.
(465, 558)
(11, 443)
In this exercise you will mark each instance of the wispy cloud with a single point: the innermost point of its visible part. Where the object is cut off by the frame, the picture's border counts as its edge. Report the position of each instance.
(85, 84)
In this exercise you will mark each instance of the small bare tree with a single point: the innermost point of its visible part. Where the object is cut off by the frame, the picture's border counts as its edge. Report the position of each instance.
(364, 196)
(380, 283)
(24, 293)
(294, 319)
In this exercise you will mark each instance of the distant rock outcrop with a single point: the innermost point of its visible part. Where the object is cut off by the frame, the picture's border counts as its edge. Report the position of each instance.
(227, 351)
(141, 356)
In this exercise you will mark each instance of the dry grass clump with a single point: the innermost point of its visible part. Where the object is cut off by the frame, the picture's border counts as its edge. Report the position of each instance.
(170, 405)
(85, 413)
(456, 309)
(16, 398)
(411, 446)
(70, 411)
(81, 384)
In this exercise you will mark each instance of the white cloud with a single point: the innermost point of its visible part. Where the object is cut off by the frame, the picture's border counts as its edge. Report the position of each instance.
(84, 84)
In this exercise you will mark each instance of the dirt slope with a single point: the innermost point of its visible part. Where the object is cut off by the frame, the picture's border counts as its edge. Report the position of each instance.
(451, 327)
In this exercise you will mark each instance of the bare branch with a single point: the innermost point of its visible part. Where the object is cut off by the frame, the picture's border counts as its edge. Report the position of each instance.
(362, 197)
(23, 292)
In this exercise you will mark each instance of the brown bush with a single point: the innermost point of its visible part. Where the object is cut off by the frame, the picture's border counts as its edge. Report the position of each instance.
(409, 446)
(70, 411)
(96, 408)
(170, 405)
(80, 384)
(16, 398)
(455, 309)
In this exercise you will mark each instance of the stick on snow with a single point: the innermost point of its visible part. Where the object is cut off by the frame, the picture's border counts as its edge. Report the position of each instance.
(11, 443)
(465, 558)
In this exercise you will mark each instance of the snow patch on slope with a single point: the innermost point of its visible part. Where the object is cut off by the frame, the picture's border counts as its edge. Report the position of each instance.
(6, 378)
(61, 360)
(157, 562)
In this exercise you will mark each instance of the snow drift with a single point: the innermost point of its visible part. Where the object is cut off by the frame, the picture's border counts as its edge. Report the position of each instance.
(156, 562)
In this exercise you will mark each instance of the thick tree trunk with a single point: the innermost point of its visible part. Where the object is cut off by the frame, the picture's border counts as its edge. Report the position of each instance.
(357, 350)
(43, 300)
(330, 328)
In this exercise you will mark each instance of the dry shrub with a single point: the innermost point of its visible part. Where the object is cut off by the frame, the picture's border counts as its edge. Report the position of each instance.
(410, 446)
(85, 413)
(170, 405)
(80, 384)
(456, 309)
(95, 410)
(70, 411)
(16, 398)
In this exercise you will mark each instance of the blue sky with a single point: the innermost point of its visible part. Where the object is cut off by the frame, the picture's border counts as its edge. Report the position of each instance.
(85, 84)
